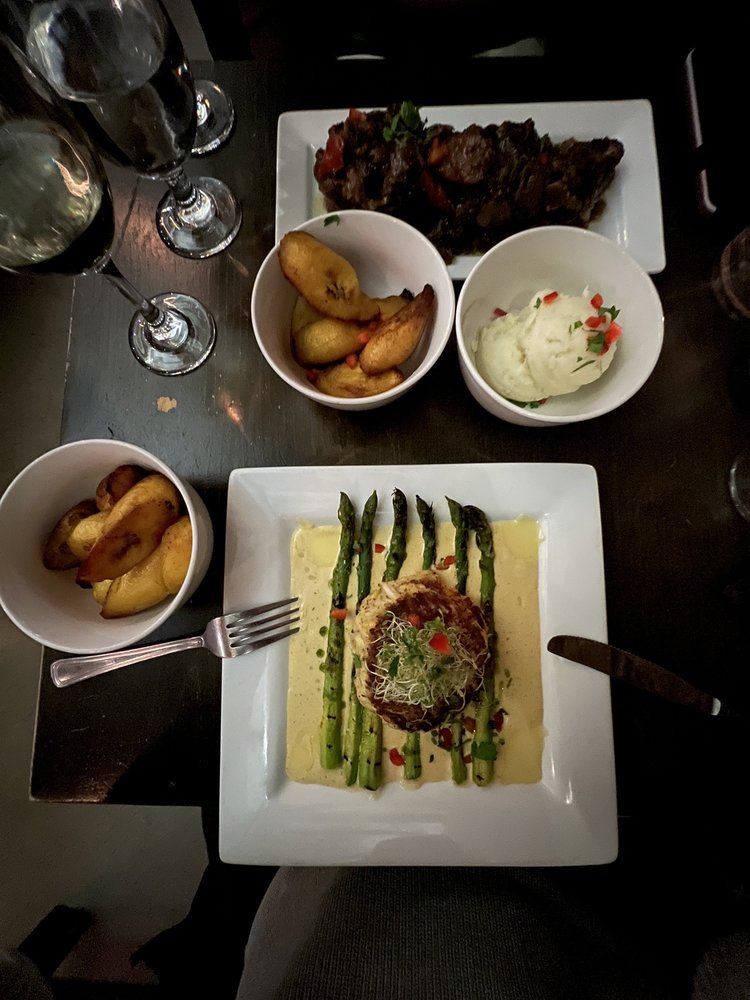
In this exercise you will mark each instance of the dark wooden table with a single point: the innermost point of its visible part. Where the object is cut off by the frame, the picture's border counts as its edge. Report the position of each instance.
(676, 556)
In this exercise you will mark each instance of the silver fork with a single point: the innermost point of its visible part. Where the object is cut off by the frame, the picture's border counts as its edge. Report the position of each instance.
(226, 636)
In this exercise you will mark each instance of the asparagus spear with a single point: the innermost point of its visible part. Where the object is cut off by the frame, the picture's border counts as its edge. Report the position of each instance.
(371, 747)
(412, 748)
(458, 767)
(333, 676)
(484, 749)
(353, 732)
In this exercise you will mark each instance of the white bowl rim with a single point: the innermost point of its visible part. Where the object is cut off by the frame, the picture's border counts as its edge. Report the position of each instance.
(341, 402)
(534, 415)
(168, 607)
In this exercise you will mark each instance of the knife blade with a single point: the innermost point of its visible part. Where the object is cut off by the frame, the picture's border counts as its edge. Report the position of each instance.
(635, 670)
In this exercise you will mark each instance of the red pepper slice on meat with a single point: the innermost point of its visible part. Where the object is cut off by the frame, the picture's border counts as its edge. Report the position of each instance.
(332, 159)
(415, 620)
(435, 191)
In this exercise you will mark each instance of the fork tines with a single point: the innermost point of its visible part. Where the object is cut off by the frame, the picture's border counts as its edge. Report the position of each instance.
(254, 628)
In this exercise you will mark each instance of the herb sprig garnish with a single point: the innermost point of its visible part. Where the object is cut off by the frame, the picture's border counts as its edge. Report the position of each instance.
(406, 123)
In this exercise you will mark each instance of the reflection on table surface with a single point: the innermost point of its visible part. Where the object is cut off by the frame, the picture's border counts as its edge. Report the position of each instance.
(675, 549)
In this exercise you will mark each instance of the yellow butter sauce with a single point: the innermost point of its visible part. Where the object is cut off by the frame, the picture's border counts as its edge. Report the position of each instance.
(517, 670)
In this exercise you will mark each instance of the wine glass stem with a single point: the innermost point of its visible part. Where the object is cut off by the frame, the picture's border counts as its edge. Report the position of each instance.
(195, 208)
(167, 331)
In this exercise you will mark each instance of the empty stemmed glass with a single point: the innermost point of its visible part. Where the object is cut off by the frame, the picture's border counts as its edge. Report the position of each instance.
(56, 217)
(215, 114)
(124, 62)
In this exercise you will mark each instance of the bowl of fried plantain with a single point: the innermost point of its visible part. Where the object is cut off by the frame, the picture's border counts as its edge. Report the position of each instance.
(102, 542)
(353, 308)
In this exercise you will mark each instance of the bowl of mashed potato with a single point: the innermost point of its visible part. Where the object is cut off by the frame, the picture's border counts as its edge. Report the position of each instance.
(556, 325)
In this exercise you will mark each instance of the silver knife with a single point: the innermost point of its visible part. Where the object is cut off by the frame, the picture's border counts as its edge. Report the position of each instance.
(636, 671)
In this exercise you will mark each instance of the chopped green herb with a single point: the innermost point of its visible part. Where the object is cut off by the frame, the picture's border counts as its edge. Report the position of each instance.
(537, 303)
(613, 312)
(406, 123)
(486, 750)
(591, 361)
(331, 220)
(578, 324)
(320, 652)
(596, 343)
(323, 630)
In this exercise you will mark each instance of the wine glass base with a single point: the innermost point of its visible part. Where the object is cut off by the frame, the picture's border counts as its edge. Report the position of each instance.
(199, 241)
(192, 334)
(215, 118)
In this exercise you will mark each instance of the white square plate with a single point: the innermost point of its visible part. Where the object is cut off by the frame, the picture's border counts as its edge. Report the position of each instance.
(632, 218)
(568, 818)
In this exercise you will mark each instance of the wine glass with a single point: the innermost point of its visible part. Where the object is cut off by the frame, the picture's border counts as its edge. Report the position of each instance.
(215, 117)
(56, 217)
(124, 62)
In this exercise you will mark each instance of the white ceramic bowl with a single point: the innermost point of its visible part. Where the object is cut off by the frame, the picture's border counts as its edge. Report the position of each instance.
(565, 259)
(47, 604)
(388, 256)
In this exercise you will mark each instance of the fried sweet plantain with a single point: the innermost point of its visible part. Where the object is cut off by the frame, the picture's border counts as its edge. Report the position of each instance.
(328, 281)
(353, 383)
(57, 553)
(85, 534)
(133, 529)
(395, 338)
(326, 340)
(115, 485)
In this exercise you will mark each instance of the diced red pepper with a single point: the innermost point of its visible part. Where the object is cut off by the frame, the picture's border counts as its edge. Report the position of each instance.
(593, 322)
(550, 297)
(415, 620)
(363, 338)
(470, 724)
(439, 642)
(499, 312)
(449, 560)
(339, 614)
(379, 547)
(396, 758)
(351, 360)
(597, 301)
(499, 718)
(446, 737)
(614, 333)
(467, 758)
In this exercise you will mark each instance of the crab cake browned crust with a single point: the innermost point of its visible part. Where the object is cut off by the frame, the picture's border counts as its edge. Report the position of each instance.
(421, 598)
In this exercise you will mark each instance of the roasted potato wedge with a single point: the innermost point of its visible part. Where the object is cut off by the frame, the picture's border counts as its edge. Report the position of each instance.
(395, 338)
(114, 486)
(326, 340)
(353, 383)
(177, 547)
(57, 553)
(141, 587)
(328, 281)
(85, 534)
(133, 529)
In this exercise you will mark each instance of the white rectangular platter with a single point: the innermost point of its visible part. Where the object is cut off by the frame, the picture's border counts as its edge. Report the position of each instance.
(632, 218)
(568, 818)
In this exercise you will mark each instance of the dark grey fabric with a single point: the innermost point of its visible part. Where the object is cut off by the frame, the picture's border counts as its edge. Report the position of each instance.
(445, 933)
